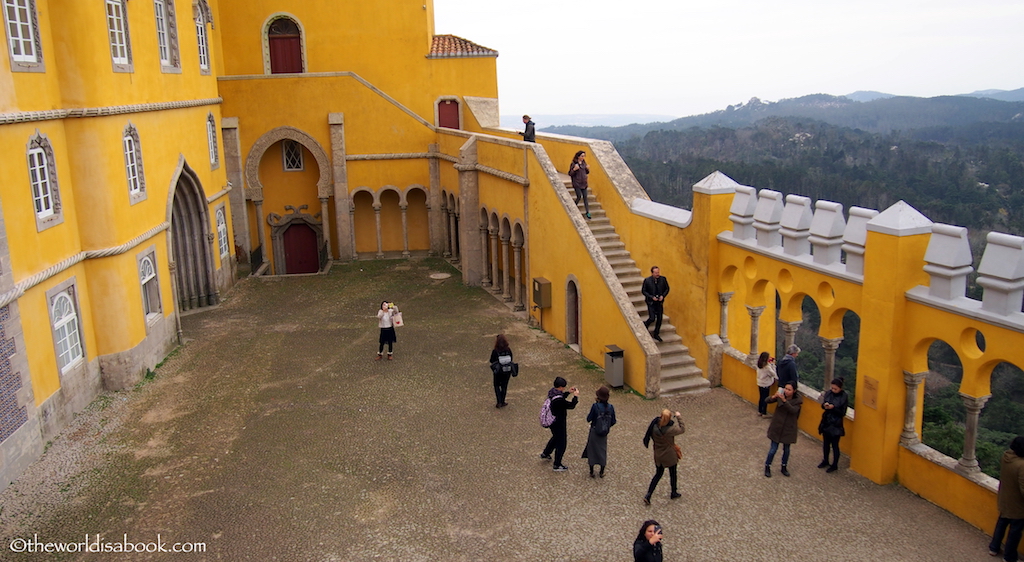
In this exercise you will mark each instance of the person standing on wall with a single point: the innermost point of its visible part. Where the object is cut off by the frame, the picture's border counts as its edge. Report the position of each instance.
(578, 172)
(1010, 501)
(766, 377)
(655, 289)
(663, 431)
(502, 369)
(783, 428)
(385, 321)
(787, 368)
(601, 418)
(559, 409)
(530, 134)
(834, 403)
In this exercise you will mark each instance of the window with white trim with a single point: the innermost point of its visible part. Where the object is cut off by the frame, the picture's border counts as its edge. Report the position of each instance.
(204, 41)
(166, 35)
(42, 175)
(67, 335)
(222, 232)
(211, 139)
(22, 35)
(291, 153)
(133, 164)
(117, 28)
(150, 287)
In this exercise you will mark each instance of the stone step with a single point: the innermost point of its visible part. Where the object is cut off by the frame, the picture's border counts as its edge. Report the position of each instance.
(690, 382)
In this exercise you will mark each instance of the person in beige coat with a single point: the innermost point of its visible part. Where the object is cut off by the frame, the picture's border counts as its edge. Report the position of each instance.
(783, 428)
(1010, 501)
(663, 431)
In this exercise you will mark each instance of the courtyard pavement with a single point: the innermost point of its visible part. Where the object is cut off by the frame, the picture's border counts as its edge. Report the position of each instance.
(272, 434)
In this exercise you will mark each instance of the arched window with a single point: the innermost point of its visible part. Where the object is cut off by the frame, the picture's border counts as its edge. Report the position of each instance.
(150, 286)
(211, 139)
(222, 232)
(66, 332)
(42, 175)
(133, 164)
(285, 42)
(202, 15)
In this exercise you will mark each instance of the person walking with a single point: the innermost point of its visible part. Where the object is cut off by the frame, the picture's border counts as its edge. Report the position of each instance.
(601, 418)
(834, 403)
(647, 546)
(530, 134)
(655, 288)
(385, 320)
(766, 377)
(578, 172)
(559, 409)
(662, 431)
(502, 369)
(783, 428)
(787, 368)
(1010, 502)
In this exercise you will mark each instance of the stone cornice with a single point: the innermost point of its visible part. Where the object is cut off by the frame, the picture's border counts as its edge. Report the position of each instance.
(48, 115)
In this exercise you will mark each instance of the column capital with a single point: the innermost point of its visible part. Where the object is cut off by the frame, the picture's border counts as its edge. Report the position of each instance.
(725, 297)
(755, 310)
(914, 378)
(974, 403)
(830, 344)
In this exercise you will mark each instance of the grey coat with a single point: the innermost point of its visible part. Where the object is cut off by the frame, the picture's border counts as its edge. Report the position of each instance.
(783, 428)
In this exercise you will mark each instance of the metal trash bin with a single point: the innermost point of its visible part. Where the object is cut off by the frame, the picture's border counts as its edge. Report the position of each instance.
(613, 366)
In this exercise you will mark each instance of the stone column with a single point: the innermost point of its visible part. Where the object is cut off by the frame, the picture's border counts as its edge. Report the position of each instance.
(380, 245)
(261, 231)
(344, 211)
(969, 462)
(789, 328)
(236, 197)
(451, 236)
(435, 204)
(483, 258)
(723, 323)
(326, 222)
(913, 381)
(517, 251)
(405, 231)
(755, 320)
(467, 244)
(506, 294)
(352, 231)
(831, 345)
(495, 278)
(456, 246)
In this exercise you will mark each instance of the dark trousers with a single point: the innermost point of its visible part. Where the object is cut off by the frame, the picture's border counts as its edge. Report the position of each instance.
(773, 449)
(582, 194)
(672, 478)
(500, 388)
(1016, 526)
(381, 348)
(655, 310)
(833, 443)
(762, 392)
(557, 443)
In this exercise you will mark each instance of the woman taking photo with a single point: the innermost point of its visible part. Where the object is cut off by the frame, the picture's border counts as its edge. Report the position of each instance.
(387, 328)
(502, 355)
(783, 428)
(601, 418)
(647, 546)
(578, 171)
(663, 431)
(834, 403)
(766, 377)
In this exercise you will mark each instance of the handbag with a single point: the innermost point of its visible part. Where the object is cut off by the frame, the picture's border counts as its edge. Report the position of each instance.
(679, 452)
(396, 320)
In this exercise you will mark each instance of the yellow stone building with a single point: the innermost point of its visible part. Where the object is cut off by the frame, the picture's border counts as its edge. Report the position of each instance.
(151, 144)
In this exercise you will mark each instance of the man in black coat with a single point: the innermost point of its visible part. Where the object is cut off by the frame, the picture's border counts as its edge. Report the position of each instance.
(655, 289)
(786, 367)
(530, 134)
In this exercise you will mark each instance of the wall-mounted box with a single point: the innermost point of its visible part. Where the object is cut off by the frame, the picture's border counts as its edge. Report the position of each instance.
(541, 292)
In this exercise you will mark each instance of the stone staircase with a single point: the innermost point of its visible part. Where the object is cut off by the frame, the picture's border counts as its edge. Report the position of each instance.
(679, 371)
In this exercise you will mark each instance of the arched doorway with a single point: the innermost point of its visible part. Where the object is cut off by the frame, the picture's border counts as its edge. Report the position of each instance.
(190, 240)
(285, 42)
(572, 315)
(300, 255)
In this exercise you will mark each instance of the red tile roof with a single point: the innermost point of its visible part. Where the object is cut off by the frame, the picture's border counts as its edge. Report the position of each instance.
(451, 46)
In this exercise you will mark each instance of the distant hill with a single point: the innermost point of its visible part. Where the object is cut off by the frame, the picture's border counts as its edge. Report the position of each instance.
(583, 120)
(1001, 95)
(862, 95)
(881, 115)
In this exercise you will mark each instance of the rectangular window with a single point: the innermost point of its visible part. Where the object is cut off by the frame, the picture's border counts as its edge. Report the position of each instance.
(204, 46)
(20, 32)
(117, 27)
(291, 151)
(39, 176)
(131, 163)
(211, 139)
(162, 33)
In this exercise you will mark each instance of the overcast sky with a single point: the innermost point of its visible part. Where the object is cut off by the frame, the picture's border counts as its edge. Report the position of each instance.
(685, 57)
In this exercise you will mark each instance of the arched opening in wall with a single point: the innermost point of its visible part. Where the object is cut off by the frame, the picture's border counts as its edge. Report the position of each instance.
(572, 315)
(285, 42)
(417, 220)
(300, 249)
(390, 222)
(944, 413)
(448, 114)
(847, 353)
(364, 223)
(518, 239)
(190, 227)
(1002, 418)
(505, 259)
(811, 361)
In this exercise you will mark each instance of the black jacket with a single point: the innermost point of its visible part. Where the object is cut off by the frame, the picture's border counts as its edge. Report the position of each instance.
(530, 134)
(560, 408)
(786, 369)
(644, 551)
(832, 420)
(654, 288)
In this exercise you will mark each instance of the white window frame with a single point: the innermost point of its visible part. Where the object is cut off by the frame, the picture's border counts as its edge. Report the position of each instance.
(117, 33)
(203, 39)
(43, 185)
(222, 232)
(152, 307)
(285, 144)
(166, 36)
(67, 330)
(211, 140)
(21, 24)
(133, 168)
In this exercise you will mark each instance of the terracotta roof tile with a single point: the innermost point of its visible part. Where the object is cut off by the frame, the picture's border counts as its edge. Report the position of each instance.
(451, 46)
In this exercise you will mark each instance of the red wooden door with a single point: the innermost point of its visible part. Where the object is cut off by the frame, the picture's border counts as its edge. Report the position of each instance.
(300, 251)
(448, 114)
(285, 54)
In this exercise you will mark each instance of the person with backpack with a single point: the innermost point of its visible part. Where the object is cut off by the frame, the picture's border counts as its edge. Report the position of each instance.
(663, 430)
(554, 411)
(601, 418)
(503, 368)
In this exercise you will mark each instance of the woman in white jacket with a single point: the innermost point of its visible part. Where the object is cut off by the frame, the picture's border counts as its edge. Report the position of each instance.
(766, 377)
(387, 328)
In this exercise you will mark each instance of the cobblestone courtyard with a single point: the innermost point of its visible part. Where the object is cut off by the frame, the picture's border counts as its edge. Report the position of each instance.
(272, 434)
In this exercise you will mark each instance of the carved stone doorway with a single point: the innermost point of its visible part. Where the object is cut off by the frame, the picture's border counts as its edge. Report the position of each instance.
(191, 239)
(300, 249)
